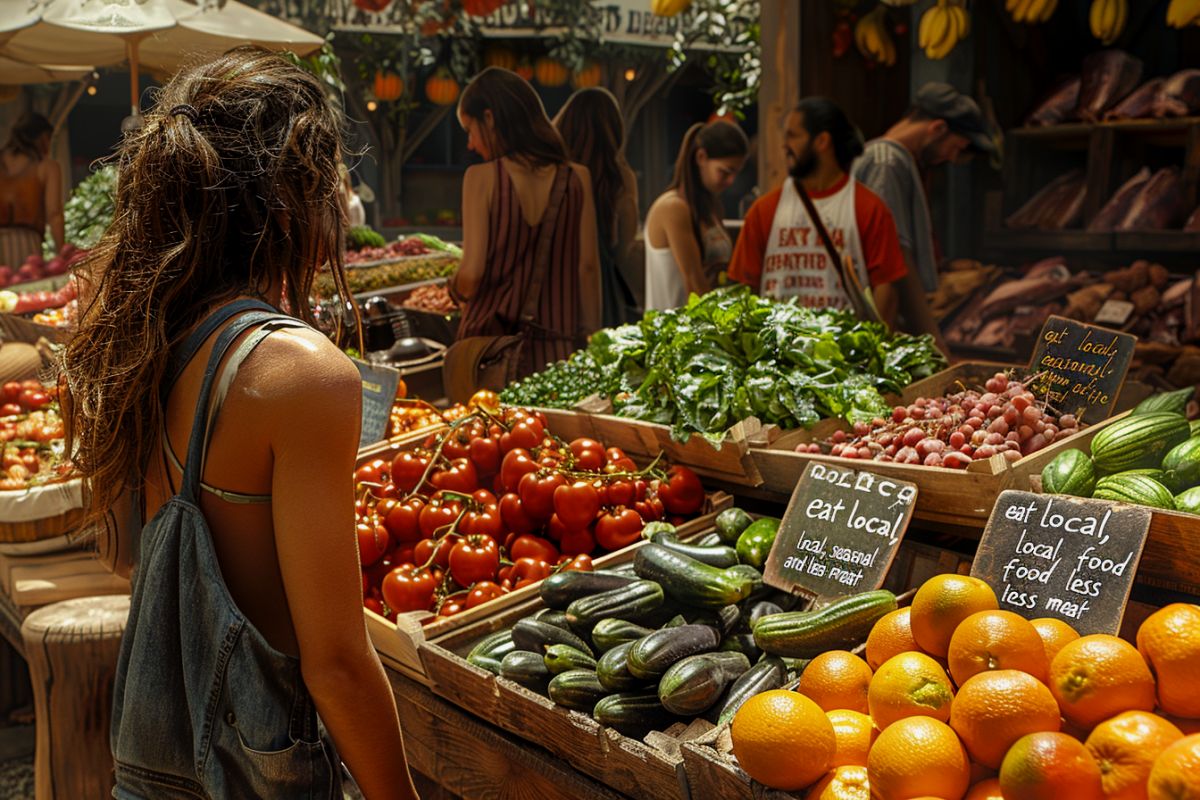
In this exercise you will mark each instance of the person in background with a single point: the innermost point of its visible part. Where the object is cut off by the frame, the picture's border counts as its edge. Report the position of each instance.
(942, 127)
(593, 131)
(30, 191)
(779, 251)
(356, 215)
(191, 401)
(504, 202)
(687, 247)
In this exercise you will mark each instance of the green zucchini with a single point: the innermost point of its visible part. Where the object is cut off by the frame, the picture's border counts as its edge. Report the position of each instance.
(724, 622)
(1188, 501)
(553, 616)
(758, 589)
(1071, 472)
(695, 684)
(633, 602)
(755, 543)
(1138, 441)
(770, 673)
(561, 658)
(730, 523)
(709, 540)
(1175, 402)
(490, 651)
(719, 556)
(653, 655)
(535, 636)
(1181, 466)
(578, 689)
(562, 588)
(525, 668)
(1195, 427)
(632, 713)
(839, 625)
(1137, 489)
(742, 643)
(689, 581)
(613, 670)
(610, 632)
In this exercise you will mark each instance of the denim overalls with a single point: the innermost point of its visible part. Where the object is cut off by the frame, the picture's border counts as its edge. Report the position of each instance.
(204, 707)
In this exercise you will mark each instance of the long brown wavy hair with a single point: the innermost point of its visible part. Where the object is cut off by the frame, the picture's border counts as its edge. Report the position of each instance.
(230, 188)
(520, 128)
(718, 139)
(593, 131)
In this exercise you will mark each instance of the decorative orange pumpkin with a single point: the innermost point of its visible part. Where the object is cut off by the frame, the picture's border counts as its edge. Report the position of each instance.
(590, 75)
(524, 69)
(441, 88)
(388, 86)
(550, 72)
(728, 116)
(481, 8)
(500, 57)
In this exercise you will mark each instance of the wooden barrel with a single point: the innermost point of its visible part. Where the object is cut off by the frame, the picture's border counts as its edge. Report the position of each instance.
(72, 650)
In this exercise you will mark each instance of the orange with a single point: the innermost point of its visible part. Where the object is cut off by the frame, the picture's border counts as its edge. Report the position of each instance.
(918, 756)
(843, 783)
(909, 685)
(1176, 772)
(1055, 633)
(987, 789)
(1169, 640)
(891, 635)
(855, 733)
(1099, 676)
(1050, 766)
(994, 709)
(771, 728)
(836, 679)
(1125, 748)
(996, 640)
(941, 604)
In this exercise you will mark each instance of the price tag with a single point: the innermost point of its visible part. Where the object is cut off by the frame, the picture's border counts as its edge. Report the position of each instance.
(1054, 556)
(1079, 368)
(1114, 312)
(379, 385)
(840, 532)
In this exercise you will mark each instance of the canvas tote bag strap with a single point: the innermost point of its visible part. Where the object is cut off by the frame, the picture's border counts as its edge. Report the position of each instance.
(541, 256)
(860, 296)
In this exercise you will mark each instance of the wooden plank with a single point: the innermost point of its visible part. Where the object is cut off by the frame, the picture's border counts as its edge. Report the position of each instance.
(727, 461)
(1100, 166)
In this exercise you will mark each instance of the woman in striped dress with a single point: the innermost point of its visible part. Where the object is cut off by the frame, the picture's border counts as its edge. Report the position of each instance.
(30, 191)
(505, 205)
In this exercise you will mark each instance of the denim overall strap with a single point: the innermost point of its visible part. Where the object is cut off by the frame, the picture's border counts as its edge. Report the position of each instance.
(182, 355)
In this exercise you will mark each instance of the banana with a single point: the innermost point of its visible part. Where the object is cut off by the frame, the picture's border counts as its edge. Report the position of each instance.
(1096, 18)
(943, 28)
(1047, 11)
(964, 21)
(1122, 19)
(1011, 5)
(1182, 13)
(925, 27)
(1107, 19)
(872, 37)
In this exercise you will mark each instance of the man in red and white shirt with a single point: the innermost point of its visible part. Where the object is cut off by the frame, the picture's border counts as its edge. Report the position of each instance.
(780, 253)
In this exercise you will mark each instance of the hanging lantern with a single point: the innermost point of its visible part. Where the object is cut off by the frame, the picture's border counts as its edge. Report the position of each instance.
(590, 75)
(388, 86)
(500, 57)
(481, 8)
(550, 72)
(441, 88)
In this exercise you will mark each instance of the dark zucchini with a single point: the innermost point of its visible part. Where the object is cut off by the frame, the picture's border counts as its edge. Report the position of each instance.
(613, 670)
(761, 609)
(535, 636)
(563, 588)
(687, 580)
(695, 684)
(709, 540)
(525, 668)
(742, 643)
(770, 673)
(653, 655)
(719, 556)
(757, 587)
(578, 689)
(632, 713)
(489, 651)
(610, 632)
(555, 617)
(562, 658)
(632, 601)
(725, 620)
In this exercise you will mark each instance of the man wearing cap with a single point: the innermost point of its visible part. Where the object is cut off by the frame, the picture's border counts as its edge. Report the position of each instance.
(942, 127)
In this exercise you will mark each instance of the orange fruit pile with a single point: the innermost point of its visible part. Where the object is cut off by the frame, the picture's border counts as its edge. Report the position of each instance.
(959, 699)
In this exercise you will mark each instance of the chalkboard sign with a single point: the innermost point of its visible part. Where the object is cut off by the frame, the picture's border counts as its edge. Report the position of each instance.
(1065, 557)
(1079, 368)
(840, 532)
(379, 392)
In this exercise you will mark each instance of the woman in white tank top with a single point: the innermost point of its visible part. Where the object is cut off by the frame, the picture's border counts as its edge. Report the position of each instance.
(686, 245)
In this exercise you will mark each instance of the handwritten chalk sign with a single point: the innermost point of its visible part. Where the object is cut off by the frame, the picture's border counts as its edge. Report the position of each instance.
(379, 385)
(840, 532)
(1080, 367)
(1065, 557)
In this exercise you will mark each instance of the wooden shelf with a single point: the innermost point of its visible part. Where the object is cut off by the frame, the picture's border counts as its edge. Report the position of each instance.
(1083, 130)
(1049, 242)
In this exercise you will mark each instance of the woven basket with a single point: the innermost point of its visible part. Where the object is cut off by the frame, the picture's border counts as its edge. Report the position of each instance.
(42, 512)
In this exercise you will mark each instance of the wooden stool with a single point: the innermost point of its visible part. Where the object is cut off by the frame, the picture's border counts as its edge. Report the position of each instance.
(72, 650)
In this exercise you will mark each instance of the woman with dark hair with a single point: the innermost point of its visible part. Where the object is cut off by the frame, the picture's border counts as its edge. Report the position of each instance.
(530, 266)
(191, 401)
(30, 191)
(593, 131)
(687, 247)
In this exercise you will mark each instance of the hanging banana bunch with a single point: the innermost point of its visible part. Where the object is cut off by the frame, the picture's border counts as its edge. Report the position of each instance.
(1107, 19)
(942, 27)
(873, 39)
(1031, 11)
(1182, 13)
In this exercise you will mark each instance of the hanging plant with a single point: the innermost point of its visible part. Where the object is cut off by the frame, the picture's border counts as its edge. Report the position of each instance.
(588, 76)
(481, 8)
(550, 72)
(500, 57)
(388, 86)
(441, 88)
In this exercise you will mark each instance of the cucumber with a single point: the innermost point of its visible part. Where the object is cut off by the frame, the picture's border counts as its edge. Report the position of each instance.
(610, 633)
(1195, 426)
(719, 556)
(632, 601)
(578, 689)
(554, 617)
(1138, 441)
(1188, 501)
(1137, 489)
(562, 588)
(1071, 472)
(758, 589)
(742, 643)
(755, 543)
(1175, 402)
(695, 684)
(770, 673)
(730, 523)
(535, 636)
(689, 581)
(613, 670)
(562, 658)
(525, 668)
(709, 540)
(1181, 466)
(632, 713)
(653, 655)
(490, 651)
(839, 625)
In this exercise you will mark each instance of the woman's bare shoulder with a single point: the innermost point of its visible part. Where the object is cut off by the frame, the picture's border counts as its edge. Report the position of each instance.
(302, 369)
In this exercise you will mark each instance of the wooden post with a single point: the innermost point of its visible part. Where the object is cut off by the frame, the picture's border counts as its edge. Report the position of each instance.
(780, 88)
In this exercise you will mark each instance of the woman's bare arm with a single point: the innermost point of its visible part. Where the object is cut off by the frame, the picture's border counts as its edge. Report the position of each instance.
(677, 224)
(477, 193)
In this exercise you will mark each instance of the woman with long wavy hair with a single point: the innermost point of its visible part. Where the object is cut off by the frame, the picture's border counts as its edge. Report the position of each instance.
(245, 669)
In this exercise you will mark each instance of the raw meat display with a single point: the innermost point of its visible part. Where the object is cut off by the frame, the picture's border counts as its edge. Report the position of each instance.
(1158, 205)
(1059, 107)
(1108, 78)
(1115, 209)
(1193, 223)
(1142, 103)
(1179, 95)
(1059, 205)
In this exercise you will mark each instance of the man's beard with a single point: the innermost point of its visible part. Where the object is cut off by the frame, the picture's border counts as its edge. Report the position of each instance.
(803, 165)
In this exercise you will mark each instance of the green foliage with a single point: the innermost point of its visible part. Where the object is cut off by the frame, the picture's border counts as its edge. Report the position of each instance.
(324, 64)
(89, 210)
(361, 237)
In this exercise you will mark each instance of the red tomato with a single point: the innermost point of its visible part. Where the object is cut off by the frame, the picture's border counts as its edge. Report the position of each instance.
(515, 465)
(372, 541)
(682, 492)
(484, 522)
(580, 563)
(435, 516)
(530, 569)
(409, 589)
(484, 497)
(618, 528)
(483, 591)
(526, 435)
(379, 570)
(453, 604)
(458, 444)
(459, 476)
(10, 410)
(485, 455)
(588, 459)
(576, 543)
(583, 443)
(403, 521)
(407, 469)
(555, 530)
(513, 514)
(371, 472)
(33, 399)
(651, 509)
(621, 493)
(537, 493)
(534, 547)
(438, 549)
(11, 392)
(577, 505)
(474, 559)
(373, 605)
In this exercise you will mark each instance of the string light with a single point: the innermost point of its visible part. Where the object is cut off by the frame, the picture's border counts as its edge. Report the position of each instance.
(372, 105)
(630, 74)
(91, 90)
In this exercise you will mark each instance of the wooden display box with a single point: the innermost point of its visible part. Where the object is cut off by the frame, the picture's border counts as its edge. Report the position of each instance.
(953, 497)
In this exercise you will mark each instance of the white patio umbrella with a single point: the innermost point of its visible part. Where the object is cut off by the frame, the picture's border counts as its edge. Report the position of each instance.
(164, 34)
